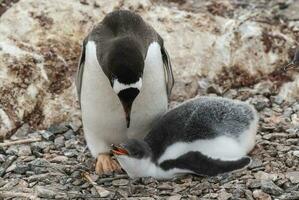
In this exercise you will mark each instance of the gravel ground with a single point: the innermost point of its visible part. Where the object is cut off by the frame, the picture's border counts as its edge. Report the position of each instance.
(56, 164)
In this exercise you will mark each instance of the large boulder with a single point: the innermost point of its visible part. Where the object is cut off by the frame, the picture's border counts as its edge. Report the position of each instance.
(222, 43)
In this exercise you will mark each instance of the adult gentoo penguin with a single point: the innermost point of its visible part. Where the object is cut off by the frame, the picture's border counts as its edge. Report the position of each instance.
(204, 136)
(123, 83)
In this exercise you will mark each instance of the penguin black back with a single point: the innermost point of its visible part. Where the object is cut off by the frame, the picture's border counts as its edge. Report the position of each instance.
(201, 118)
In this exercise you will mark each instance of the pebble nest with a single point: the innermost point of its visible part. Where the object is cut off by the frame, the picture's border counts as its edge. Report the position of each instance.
(54, 167)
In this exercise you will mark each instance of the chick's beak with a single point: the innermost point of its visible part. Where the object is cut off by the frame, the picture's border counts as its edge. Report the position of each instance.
(118, 150)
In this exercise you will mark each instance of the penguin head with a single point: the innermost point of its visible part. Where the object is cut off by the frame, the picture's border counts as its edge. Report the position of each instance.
(126, 66)
(133, 148)
(134, 156)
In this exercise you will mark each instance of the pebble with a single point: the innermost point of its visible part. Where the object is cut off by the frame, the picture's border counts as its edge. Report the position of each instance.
(270, 187)
(59, 159)
(70, 153)
(256, 163)
(71, 143)
(293, 176)
(41, 145)
(277, 99)
(260, 175)
(253, 183)
(296, 153)
(77, 182)
(2, 158)
(248, 195)
(293, 195)
(120, 182)
(48, 135)
(58, 128)
(59, 141)
(12, 150)
(21, 168)
(24, 150)
(260, 195)
(223, 195)
(22, 132)
(44, 192)
(175, 197)
(165, 186)
(69, 134)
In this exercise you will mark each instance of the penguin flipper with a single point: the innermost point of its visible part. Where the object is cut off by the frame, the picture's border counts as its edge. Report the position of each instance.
(80, 70)
(167, 67)
(203, 165)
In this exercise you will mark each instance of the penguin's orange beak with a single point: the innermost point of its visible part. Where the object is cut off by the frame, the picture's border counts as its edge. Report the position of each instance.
(118, 150)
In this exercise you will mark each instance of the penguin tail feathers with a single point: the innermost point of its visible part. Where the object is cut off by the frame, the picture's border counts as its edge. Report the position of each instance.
(202, 165)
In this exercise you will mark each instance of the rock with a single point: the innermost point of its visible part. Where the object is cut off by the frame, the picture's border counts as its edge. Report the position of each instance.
(70, 153)
(59, 141)
(58, 128)
(21, 168)
(215, 89)
(48, 135)
(263, 88)
(24, 150)
(21, 132)
(165, 186)
(260, 175)
(248, 195)
(71, 143)
(185, 89)
(39, 146)
(2, 158)
(260, 195)
(293, 176)
(260, 102)
(59, 159)
(75, 125)
(77, 182)
(270, 188)
(120, 182)
(253, 183)
(223, 195)
(256, 163)
(12, 150)
(277, 99)
(296, 153)
(293, 195)
(44, 192)
(175, 197)
(69, 134)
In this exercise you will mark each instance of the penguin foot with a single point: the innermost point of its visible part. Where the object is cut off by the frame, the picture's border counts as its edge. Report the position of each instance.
(105, 164)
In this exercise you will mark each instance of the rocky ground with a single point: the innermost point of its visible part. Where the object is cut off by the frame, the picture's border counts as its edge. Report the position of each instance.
(233, 49)
(58, 165)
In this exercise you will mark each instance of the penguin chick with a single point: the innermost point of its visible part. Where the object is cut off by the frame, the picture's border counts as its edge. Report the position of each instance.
(204, 136)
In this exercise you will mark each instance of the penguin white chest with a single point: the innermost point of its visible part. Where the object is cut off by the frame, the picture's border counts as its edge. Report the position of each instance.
(103, 116)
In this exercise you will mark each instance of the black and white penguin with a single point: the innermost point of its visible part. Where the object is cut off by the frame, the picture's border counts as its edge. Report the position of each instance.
(123, 83)
(204, 136)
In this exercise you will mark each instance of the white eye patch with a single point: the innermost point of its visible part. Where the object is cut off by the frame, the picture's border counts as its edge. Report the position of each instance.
(118, 86)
